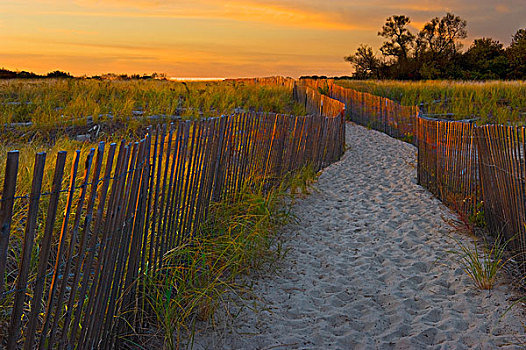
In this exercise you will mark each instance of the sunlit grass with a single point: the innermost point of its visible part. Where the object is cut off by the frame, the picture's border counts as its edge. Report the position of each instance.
(491, 101)
(240, 232)
(236, 240)
(59, 102)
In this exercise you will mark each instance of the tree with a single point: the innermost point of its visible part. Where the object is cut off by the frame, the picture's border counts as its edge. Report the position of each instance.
(438, 45)
(58, 74)
(516, 53)
(436, 53)
(485, 59)
(366, 64)
(400, 39)
(440, 37)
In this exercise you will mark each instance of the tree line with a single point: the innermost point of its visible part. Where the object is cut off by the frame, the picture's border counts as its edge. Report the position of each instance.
(9, 74)
(436, 53)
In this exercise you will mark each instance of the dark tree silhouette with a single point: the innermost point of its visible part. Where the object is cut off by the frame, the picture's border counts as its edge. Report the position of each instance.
(58, 74)
(517, 55)
(441, 36)
(486, 59)
(436, 53)
(365, 63)
(400, 39)
(438, 46)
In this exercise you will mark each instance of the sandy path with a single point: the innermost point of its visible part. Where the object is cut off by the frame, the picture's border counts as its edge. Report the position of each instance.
(363, 269)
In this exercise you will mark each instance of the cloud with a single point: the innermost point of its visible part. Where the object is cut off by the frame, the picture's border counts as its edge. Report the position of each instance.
(278, 14)
(502, 9)
(113, 46)
(222, 37)
(68, 31)
(283, 15)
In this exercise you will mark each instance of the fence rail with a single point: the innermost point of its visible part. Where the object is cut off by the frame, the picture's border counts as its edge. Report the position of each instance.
(473, 169)
(69, 256)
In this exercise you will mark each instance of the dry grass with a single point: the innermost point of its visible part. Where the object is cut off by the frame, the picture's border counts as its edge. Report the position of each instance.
(51, 102)
(491, 101)
(236, 241)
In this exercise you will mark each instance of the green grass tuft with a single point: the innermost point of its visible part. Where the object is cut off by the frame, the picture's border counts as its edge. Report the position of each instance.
(483, 262)
(237, 240)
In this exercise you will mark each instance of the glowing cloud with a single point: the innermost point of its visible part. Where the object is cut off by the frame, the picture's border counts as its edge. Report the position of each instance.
(213, 38)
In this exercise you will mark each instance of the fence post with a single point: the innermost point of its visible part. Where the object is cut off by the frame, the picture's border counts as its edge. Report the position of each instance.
(218, 166)
(6, 211)
(418, 152)
(27, 247)
(45, 248)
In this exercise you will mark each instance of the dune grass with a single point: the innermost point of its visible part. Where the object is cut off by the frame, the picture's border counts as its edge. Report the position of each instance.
(482, 262)
(491, 101)
(48, 103)
(51, 104)
(237, 239)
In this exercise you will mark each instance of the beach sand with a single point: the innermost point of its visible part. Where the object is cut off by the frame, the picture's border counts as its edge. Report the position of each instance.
(368, 267)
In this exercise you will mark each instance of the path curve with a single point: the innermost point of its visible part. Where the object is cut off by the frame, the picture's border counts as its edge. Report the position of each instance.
(368, 268)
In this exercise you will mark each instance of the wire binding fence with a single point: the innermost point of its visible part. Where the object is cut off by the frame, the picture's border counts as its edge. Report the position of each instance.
(479, 171)
(373, 111)
(266, 81)
(502, 161)
(70, 256)
(448, 163)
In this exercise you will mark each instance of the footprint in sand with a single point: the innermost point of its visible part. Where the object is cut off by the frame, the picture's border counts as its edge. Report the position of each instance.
(366, 246)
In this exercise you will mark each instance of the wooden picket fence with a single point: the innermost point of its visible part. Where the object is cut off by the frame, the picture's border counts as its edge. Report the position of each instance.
(373, 111)
(266, 81)
(70, 255)
(448, 163)
(479, 171)
(502, 167)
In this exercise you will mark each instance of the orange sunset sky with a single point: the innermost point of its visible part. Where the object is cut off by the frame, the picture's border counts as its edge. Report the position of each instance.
(208, 38)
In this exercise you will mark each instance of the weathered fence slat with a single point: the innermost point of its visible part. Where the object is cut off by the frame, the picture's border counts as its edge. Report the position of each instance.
(27, 247)
(83, 243)
(6, 212)
(45, 248)
(70, 251)
(44, 340)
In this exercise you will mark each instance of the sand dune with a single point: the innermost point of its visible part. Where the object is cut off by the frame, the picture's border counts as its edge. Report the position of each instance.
(368, 268)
